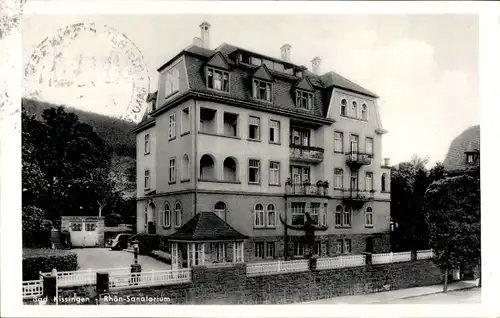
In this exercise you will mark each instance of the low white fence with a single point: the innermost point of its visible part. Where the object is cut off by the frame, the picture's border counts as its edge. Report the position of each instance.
(425, 254)
(150, 278)
(85, 277)
(32, 288)
(341, 261)
(278, 267)
(391, 258)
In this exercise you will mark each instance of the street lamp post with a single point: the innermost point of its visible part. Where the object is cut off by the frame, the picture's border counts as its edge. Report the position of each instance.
(135, 268)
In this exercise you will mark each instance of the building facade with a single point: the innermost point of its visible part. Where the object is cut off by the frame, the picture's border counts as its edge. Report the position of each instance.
(254, 139)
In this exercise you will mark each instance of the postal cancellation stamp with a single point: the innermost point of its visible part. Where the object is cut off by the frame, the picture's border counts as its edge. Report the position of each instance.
(85, 66)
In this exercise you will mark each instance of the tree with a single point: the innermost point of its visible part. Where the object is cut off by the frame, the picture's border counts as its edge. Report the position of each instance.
(70, 157)
(453, 217)
(36, 231)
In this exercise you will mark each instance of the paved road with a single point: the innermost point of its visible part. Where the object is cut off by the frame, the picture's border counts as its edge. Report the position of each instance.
(465, 296)
(101, 258)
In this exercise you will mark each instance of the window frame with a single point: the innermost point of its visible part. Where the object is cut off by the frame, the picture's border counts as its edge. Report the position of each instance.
(364, 110)
(347, 214)
(212, 80)
(370, 153)
(258, 128)
(217, 211)
(341, 134)
(258, 167)
(166, 208)
(344, 113)
(178, 214)
(298, 247)
(369, 216)
(147, 179)
(273, 254)
(300, 211)
(267, 215)
(183, 114)
(276, 131)
(172, 81)
(273, 171)
(354, 109)
(339, 215)
(315, 211)
(172, 170)
(256, 90)
(299, 97)
(369, 181)
(172, 130)
(259, 250)
(337, 177)
(147, 144)
(261, 213)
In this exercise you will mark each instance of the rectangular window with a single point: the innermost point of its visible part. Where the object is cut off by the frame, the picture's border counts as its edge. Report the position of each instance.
(270, 249)
(317, 248)
(185, 123)
(340, 246)
(323, 215)
(274, 131)
(369, 217)
(339, 142)
(146, 179)
(259, 250)
(171, 170)
(369, 181)
(90, 227)
(298, 213)
(239, 252)
(253, 171)
(369, 145)
(254, 128)
(230, 124)
(271, 215)
(354, 181)
(208, 120)
(171, 126)
(315, 207)
(274, 173)
(304, 99)
(338, 178)
(262, 90)
(300, 137)
(354, 143)
(146, 144)
(199, 253)
(347, 246)
(298, 249)
(171, 82)
(255, 61)
(347, 217)
(217, 80)
(300, 174)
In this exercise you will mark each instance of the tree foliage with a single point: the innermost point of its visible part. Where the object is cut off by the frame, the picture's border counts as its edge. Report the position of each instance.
(454, 220)
(36, 231)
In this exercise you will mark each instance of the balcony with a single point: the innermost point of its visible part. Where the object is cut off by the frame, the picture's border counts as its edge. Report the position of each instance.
(318, 189)
(356, 198)
(355, 159)
(307, 154)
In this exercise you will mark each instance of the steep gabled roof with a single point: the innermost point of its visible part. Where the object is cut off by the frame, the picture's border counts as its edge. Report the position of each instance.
(263, 73)
(305, 84)
(206, 226)
(332, 79)
(219, 61)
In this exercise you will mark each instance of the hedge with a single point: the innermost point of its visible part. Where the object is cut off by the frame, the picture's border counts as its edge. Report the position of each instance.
(44, 260)
(148, 243)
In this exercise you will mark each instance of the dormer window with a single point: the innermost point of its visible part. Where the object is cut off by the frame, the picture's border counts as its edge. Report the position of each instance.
(298, 73)
(304, 99)
(472, 157)
(217, 80)
(262, 90)
(255, 61)
(171, 82)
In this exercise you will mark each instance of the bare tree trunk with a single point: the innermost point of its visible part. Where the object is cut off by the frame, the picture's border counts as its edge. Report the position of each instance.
(445, 287)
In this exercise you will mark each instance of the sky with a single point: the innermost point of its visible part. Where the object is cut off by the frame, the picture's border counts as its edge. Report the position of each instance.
(423, 67)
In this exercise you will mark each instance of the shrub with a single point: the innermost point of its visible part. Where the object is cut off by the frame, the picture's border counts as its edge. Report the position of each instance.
(36, 230)
(44, 260)
(162, 256)
(148, 243)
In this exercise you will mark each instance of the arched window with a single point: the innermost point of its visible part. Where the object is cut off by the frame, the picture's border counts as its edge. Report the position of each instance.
(271, 215)
(364, 112)
(347, 217)
(230, 169)
(369, 216)
(220, 210)
(178, 214)
(338, 215)
(383, 182)
(259, 215)
(166, 215)
(354, 109)
(185, 167)
(207, 168)
(343, 107)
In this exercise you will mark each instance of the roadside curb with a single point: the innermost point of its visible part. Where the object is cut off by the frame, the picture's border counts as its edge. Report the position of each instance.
(439, 292)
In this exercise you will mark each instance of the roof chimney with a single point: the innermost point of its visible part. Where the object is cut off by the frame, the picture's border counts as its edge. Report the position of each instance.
(286, 52)
(197, 42)
(205, 34)
(316, 65)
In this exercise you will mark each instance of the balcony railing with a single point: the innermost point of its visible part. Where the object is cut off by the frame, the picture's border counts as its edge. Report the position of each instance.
(356, 198)
(305, 189)
(356, 159)
(306, 153)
